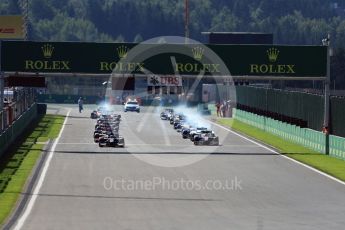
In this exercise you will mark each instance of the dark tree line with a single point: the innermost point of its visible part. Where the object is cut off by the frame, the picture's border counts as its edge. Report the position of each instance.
(292, 22)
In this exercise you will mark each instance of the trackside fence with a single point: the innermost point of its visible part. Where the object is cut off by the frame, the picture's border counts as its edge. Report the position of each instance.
(9, 135)
(307, 137)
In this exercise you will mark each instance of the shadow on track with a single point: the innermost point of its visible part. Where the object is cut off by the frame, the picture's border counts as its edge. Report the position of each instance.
(119, 197)
(175, 153)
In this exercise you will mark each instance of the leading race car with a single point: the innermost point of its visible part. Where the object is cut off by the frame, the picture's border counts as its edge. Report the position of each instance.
(101, 110)
(111, 140)
(206, 137)
(95, 114)
(195, 131)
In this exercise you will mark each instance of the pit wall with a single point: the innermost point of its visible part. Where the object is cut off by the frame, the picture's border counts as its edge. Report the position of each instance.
(307, 137)
(73, 99)
(67, 99)
(12, 132)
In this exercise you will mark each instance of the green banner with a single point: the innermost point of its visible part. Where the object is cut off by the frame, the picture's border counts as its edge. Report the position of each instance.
(190, 59)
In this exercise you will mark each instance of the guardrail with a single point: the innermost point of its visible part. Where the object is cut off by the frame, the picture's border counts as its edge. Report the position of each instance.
(10, 134)
(307, 137)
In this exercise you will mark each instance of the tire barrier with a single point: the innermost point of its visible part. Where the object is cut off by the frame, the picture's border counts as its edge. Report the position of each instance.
(307, 137)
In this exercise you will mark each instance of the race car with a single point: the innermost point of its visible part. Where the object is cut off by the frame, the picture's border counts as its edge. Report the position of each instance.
(185, 131)
(95, 114)
(177, 119)
(206, 137)
(99, 112)
(107, 130)
(172, 118)
(177, 124)
(116, 117)
(166, 114)
(98, 134)
(195, 131)
(111, 140)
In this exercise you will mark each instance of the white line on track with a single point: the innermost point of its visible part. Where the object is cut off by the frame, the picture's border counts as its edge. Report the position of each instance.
(286, 157)
(165, 133)
(38, 186)
(77, 143)
(186, 145)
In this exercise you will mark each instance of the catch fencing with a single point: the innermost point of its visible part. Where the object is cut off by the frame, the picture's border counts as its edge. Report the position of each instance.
(304, 136)
(298, 108)
(12, 132)
(15, 106)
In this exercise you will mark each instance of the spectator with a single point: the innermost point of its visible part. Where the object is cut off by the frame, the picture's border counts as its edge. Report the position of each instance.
(223, 108)
(80, 103)
(218, 109)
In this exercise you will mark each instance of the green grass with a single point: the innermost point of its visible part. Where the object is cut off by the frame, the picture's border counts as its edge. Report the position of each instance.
(327, 164)
(17, 164)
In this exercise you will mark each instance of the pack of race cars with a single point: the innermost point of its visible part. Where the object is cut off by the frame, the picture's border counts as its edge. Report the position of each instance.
(190, 130)
(107, 127)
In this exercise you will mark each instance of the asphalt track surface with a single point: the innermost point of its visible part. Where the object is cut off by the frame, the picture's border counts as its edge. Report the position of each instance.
(263, 190)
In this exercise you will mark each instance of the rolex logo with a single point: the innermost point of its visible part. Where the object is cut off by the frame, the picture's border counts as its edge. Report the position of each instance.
(198, 52)
(272, 54)
(47, 50)
(122, 51)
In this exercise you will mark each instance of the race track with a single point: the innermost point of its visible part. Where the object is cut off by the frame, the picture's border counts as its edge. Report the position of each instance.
(82, 186)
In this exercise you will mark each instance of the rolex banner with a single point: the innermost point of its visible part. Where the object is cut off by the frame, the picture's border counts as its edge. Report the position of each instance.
(163, 59)
(165, 80)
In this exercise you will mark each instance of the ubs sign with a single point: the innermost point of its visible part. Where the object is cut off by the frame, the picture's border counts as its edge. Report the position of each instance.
(172, 80)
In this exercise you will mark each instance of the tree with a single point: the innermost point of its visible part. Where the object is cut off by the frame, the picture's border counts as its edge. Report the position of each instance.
(120, 38)
(41, 9)
(340, 35)
(138, 38)
(225, 21)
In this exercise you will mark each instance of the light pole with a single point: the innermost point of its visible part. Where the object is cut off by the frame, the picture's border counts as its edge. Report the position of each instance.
(326, 120)
(2, 87)
(25, 11)
(186, 20)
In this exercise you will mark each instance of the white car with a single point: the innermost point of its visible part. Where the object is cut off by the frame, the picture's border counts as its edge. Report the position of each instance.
(132, 106)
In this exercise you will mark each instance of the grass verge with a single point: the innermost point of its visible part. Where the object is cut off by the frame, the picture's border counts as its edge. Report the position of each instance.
(17, 164)
(324, 163)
